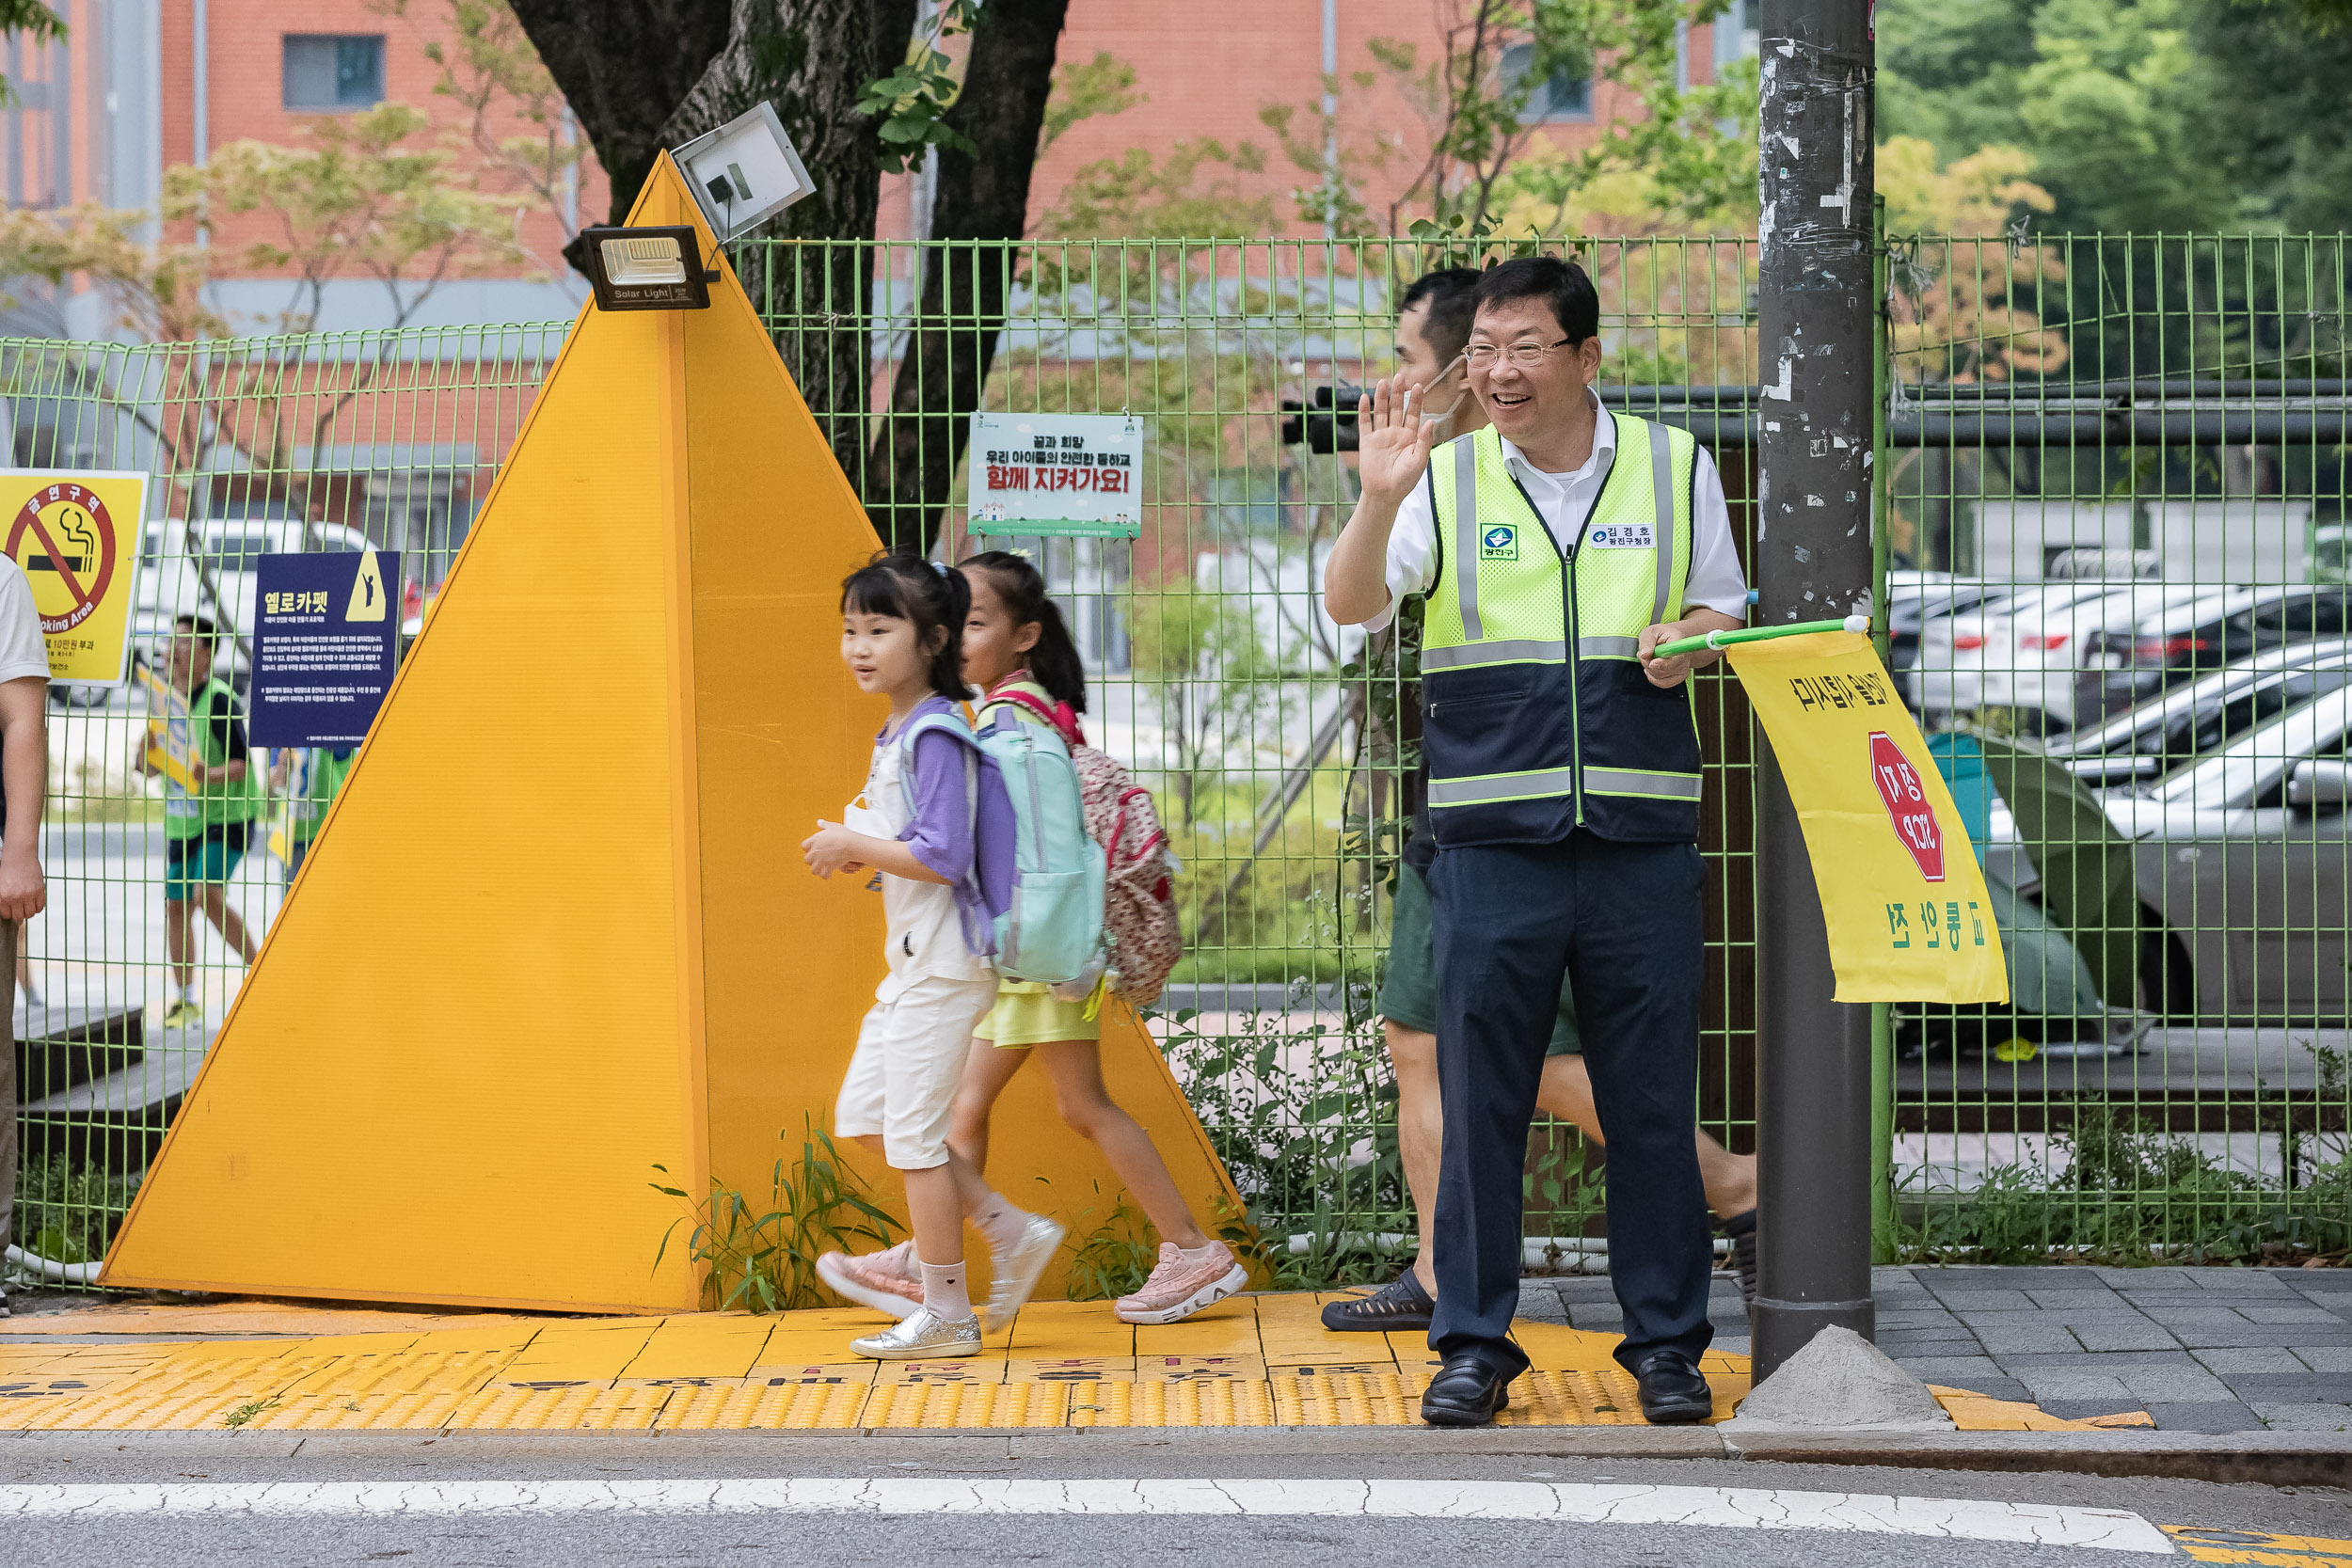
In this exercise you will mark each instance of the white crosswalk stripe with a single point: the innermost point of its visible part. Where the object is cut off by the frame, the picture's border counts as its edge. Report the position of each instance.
(1711, 1507)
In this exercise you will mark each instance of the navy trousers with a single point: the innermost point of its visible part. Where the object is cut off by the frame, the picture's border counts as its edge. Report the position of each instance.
(1622, 920)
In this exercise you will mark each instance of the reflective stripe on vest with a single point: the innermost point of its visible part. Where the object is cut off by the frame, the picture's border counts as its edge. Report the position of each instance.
(1521, 747)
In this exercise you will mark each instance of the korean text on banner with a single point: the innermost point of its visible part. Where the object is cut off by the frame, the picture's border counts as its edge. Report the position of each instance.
(1064, 474)
(1909, 917)
(76, 535)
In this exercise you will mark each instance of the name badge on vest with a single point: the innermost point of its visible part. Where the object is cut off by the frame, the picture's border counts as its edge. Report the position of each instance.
(1623, 536)
(1500, 542)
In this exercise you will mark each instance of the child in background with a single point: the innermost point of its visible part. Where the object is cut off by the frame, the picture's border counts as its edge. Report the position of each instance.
(1014, 641)
(902, 624)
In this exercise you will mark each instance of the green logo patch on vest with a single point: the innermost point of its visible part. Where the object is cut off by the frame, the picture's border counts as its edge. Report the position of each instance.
(1500, 542)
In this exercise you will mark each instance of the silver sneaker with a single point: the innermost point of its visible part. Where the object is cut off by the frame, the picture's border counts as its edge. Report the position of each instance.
(1016, 1272)
(922, 1336)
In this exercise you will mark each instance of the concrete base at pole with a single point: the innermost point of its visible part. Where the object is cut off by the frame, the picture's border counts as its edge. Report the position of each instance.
(1780, 1329)
(1840, 1381)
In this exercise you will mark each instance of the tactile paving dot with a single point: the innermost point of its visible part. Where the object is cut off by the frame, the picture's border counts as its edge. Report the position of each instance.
(790, 1408)
(968, 1404)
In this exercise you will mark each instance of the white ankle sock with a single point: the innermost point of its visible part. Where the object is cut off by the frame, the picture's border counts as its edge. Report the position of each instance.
(999, 1220)
(944, 1294)
(1201, 1253)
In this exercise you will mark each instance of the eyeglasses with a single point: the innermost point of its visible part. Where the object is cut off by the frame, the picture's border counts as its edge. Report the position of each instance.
(1526, 357)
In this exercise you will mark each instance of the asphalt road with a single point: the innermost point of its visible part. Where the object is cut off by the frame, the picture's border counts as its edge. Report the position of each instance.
(589, 1500)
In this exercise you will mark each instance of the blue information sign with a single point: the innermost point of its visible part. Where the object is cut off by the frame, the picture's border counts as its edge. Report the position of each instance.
(325, 635)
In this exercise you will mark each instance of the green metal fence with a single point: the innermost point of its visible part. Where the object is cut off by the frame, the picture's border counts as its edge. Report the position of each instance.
(2113, 479)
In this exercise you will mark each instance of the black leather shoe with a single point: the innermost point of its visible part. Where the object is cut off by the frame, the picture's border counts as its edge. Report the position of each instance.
(1400, 1307)
(1466, 1392)
(1672, 1391)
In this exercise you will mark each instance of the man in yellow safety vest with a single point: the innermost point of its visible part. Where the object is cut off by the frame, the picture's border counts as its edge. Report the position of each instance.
(1557, 546)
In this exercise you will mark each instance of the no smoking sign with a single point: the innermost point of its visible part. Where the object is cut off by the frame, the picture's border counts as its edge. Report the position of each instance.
(69, 533)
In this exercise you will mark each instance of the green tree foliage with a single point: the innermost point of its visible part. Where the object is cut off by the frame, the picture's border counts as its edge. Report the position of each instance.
(2136, 114)
(28, 21)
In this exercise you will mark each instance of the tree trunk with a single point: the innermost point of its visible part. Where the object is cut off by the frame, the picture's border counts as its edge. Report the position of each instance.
(622, 68)
(982, 196)
(811, 58)
(652, 75)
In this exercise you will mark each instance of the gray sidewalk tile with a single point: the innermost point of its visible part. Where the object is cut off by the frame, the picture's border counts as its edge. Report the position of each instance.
(1985, 1301)
(2076, 1301)
(2228, 1361)
(2176, 1386)
(2263, 1334)
(2205, 1416)
(1982, 1276)
(1598, 1317)
(1917, 1318)
(1991, 1388)
(2334, 1280)
(2290, 1315)
(1575, 1287)
(2300, 1388)
(1961, 1372)
(1886, 1275)
(2110, 1391)
(2306, 1418)
(2136, 1332)
(2145, 1279)
(2325, 1358)
(1903, 1345)
(2005, 1340)
(2107, 1361)
(1542, 1307)
(2194, 1317)
(2237, 1281)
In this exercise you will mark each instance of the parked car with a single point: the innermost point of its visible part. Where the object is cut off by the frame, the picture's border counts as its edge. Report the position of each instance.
(2019, 655)
(2244, 855)
(2127, 665)
(1912, 600)
(2176, 727)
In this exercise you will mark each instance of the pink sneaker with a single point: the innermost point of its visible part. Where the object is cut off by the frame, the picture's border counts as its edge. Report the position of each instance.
(886, 1281)
(1180, 1287)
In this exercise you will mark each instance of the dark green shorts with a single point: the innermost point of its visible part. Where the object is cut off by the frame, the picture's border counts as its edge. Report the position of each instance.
(1409, 990)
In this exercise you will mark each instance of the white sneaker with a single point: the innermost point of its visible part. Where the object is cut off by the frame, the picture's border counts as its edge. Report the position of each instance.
(1016, 1270)
(921, 1337)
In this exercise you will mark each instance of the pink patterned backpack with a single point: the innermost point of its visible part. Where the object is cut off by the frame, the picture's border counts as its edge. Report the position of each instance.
(1139, 894)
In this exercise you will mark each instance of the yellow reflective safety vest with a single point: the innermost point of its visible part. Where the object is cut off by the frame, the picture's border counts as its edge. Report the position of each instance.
(1538, 718)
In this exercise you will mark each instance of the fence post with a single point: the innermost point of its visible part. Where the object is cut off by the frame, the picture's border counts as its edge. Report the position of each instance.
(1814, 545)
(1882, 1213)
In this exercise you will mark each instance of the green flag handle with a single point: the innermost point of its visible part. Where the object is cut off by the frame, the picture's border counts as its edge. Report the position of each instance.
(1757, 634)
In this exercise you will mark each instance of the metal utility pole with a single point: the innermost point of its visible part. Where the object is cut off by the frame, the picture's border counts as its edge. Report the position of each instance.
(1813, 560)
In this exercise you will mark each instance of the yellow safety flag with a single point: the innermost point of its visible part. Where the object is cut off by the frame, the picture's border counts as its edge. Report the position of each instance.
(1909, 917)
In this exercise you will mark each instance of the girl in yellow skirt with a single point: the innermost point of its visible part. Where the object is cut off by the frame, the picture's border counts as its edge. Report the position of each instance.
(1014, 648)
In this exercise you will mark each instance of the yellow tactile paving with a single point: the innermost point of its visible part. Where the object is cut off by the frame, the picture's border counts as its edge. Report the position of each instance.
(2260, 1547)
(1253, 1361)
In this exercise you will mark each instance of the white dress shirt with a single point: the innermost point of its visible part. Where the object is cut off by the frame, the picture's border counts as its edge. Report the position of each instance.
(1715, 581)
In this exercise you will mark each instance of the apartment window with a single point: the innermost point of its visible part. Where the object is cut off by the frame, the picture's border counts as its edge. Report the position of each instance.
(1569, 94)
(334, 71)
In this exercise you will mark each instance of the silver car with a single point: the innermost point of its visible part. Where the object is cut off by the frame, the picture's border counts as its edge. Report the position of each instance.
(2243, 853)
(2173, 728)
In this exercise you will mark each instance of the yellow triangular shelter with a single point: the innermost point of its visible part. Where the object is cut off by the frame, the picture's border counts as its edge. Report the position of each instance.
(557, 930)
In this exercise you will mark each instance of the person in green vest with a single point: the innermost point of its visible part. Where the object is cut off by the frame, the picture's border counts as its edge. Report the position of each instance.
(1557, 548)
(212, 798)
(310, 778)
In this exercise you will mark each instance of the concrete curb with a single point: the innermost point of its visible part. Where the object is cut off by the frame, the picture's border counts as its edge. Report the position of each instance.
(2271, 1458)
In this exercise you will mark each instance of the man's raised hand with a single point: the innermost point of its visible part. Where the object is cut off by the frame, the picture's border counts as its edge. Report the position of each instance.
(1393, 442)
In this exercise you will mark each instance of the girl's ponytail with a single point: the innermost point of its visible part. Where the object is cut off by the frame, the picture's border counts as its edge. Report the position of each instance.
(926, 594)
(1055, 659)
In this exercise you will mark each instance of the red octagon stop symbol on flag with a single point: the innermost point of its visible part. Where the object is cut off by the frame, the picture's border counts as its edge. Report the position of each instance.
(1907, 804)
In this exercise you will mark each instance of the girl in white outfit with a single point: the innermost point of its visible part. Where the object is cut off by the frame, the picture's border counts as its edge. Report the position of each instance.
(944, 861)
